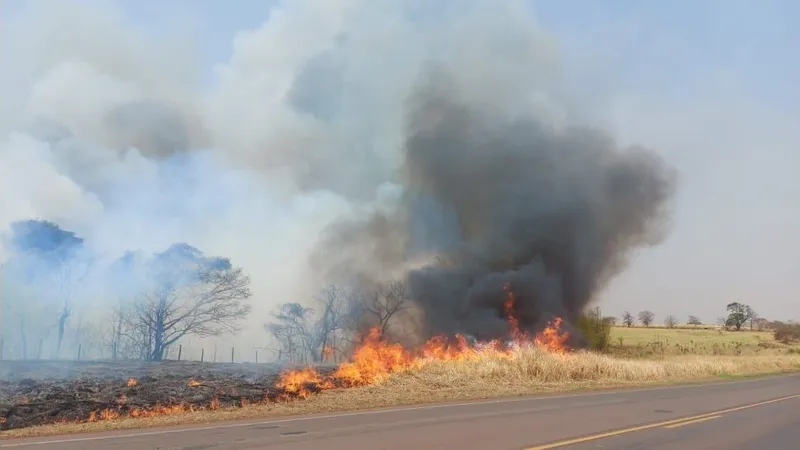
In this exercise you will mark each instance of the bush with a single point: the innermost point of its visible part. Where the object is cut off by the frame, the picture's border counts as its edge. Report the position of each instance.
(787, 333)
(596, 329)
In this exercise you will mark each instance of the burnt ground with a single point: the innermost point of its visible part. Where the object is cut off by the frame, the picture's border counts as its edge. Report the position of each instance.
(45, 392)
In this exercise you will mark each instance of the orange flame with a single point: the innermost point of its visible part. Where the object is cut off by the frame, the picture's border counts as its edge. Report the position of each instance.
(552, 338)
(376, 359)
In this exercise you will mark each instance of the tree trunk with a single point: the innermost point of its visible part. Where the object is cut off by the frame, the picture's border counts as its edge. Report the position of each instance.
(24, 338)
(62, 323)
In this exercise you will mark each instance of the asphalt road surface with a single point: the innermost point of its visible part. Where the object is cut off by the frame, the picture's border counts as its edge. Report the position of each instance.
(747, 414)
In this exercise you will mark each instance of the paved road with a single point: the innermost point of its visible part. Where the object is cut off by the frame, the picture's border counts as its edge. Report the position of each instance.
(750, 414)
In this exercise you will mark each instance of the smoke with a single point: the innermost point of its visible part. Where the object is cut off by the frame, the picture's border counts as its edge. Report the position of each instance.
(500, 195)
(400, 139)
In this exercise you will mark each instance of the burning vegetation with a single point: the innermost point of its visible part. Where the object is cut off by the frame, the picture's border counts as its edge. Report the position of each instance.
(28, 402)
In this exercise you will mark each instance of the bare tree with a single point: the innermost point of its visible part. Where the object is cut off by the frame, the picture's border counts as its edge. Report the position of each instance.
(377, 307)
(331, 323)
(671, 321)
(293, 331)
(627, 319)
(189, 294)
(67, 281)
(694, 320)
(646, 317)
(299, 337)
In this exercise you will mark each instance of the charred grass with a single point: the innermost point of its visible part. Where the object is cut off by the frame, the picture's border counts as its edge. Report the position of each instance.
(529, 371)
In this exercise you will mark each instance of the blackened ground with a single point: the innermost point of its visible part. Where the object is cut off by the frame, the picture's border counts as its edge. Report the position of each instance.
(43, 392)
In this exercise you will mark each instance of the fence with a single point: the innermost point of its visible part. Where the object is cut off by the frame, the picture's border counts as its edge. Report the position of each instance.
(177, 352)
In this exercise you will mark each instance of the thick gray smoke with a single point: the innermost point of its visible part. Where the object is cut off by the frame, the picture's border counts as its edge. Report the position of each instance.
(504, 196)
(430, 139)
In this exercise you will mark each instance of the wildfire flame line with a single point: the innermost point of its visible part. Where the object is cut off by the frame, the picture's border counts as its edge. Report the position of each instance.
(377, 359)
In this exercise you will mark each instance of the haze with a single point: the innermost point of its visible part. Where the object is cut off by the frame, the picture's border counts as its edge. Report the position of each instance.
(711, 86)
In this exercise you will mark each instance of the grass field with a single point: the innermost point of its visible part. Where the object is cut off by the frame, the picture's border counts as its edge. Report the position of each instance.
(528, 371)
(654, 342)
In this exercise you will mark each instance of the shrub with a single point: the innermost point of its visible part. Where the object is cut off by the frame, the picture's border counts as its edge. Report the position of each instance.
(596, 329)
(787, 333)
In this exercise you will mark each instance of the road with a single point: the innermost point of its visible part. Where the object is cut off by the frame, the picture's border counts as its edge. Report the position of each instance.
(744, 414)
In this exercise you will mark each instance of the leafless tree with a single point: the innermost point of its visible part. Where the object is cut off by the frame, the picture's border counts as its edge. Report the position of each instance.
(189, 294)
(646, 317)
(627, 319)
(292, 329)
(67, 281)
(378, 306)
(300, 337)
(671, 321)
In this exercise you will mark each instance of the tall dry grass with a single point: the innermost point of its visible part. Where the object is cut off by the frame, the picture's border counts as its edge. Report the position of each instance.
(532, 366)
(527, 371)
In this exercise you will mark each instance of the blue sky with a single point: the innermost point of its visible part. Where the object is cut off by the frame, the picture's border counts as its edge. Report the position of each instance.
(752, 39)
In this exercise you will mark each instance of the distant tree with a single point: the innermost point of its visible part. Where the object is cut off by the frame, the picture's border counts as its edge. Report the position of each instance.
(753, 318)
(694, 320)
(53, 264)
(738, 315)
(627, 319)
(611, 320)
(671, 321)
(187, 293)
(376, 306)
(646, 317)
(761, 323)
(302, 336)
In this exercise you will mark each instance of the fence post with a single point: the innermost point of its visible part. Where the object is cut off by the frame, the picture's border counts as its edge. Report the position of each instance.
(79, 351)
(202, 354)
(232, 355)
(180, 350)
(256, 356)
(215, 352)
(39, 351)
(2, 345)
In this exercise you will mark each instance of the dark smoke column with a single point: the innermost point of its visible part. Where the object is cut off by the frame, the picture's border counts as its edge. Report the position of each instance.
(554, 212)
(492, 197)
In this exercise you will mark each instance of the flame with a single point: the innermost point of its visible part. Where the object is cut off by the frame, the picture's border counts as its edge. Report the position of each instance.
(552, 338)
(327, 352)
(297, 382)
(376, 359)
(511, 314)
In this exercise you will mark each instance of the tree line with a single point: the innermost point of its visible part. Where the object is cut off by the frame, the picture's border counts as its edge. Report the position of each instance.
(740, 316)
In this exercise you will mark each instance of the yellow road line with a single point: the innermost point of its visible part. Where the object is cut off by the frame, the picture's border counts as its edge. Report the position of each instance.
(690, 422)
(607, 434)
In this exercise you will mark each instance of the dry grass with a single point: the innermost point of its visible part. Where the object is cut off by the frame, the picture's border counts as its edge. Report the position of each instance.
(659, 342)
(530, 371)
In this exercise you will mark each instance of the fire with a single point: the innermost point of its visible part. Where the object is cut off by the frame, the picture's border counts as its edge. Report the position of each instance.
(297, 382)
(511, 314)
(376, 359)
(552, 338)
